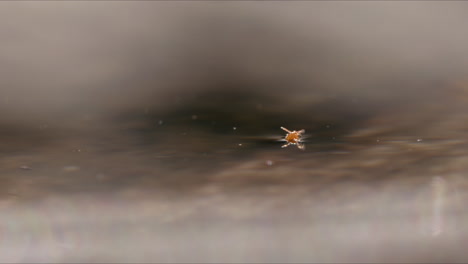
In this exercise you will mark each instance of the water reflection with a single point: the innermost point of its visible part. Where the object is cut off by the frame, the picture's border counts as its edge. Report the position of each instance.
(202, 197)
(195, 189)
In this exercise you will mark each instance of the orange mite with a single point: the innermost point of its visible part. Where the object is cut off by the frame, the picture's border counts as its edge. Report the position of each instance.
(293, 138)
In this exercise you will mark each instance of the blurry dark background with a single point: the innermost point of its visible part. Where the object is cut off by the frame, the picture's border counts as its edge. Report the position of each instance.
(149, 131)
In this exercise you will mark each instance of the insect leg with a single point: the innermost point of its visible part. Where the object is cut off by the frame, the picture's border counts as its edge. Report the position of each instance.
(285, 129)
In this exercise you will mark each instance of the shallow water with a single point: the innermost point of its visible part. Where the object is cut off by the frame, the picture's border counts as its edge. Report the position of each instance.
(111, 198)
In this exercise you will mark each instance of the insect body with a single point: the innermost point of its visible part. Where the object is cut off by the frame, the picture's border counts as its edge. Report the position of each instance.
(293, 138)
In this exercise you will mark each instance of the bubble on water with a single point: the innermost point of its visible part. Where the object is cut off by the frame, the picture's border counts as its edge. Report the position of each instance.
(240, 144)
(269, 162)
(160, 122)
(234, 128)
(194, 117)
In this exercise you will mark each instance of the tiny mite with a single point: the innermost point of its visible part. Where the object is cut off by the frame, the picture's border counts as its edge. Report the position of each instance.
(293, 138)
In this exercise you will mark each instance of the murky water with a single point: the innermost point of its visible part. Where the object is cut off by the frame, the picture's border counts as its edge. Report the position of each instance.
(163, 192)
(150, 132)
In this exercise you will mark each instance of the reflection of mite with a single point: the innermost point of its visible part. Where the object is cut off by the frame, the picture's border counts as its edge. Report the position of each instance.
(293, 138)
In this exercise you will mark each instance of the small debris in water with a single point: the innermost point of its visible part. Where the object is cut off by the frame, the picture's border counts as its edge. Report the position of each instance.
(160, 122)
(71, 168)
(194, 117)
(100, 177)
(240, 144)
(234, 128)
(419, 139)
(24, 167)
(269, 162)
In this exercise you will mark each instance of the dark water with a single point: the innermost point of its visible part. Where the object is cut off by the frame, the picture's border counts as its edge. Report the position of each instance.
(150, 132)
(183, 191)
